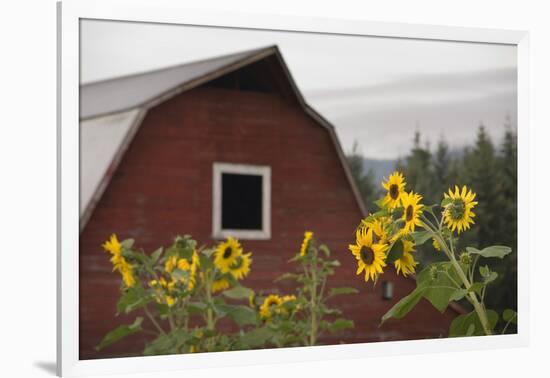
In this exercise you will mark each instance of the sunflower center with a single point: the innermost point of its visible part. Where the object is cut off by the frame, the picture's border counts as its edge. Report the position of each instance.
(227, 253)
(409, 213)
(367, 255)
(456, 209)
(394, 191)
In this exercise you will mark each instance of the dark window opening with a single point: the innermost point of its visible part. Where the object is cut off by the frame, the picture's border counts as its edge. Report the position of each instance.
(251, 78)
(241, 202)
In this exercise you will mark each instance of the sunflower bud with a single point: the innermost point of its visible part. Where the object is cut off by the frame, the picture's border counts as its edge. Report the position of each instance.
(465, 258)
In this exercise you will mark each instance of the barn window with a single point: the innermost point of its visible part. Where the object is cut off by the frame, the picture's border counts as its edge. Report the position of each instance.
(241, 201)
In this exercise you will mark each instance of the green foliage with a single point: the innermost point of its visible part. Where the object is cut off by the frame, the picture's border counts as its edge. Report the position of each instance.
(132, 299)
(120, 332)
(437, 283)
(491, 171)
(404, 306)
(342, 290)
(301, 321)
(492, 251)
(238, 292)
(175, 287)
(470, 325)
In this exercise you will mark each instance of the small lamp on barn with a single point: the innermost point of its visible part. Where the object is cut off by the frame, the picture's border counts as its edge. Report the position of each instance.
(387, 290)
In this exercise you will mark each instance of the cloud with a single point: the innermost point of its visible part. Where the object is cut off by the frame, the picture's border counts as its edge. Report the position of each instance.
(387, 132)
(419, 89)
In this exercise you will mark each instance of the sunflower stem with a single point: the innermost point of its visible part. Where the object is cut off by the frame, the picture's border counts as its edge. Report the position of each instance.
(209, 314)
(153, 320)
(478, 307)
(313, 335)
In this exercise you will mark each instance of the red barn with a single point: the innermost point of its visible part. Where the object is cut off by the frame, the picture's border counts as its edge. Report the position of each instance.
(217, 147)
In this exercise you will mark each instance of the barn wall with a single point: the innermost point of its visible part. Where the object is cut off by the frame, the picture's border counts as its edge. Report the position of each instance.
(163, 188)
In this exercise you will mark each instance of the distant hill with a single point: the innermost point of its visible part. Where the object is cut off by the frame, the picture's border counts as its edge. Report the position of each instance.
(380, 168)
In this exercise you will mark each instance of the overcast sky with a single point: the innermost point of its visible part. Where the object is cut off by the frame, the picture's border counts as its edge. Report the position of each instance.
(376, 91)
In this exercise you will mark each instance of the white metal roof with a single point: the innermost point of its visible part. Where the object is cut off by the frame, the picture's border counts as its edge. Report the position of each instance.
(100, 139)
(128, 92)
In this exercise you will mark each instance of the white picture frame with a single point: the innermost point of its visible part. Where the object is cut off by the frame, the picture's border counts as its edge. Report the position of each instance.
(69, 15)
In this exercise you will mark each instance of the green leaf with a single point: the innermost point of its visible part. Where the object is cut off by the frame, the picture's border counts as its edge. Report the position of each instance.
(484, 271)
(430, 208)
(238, 292)
(487, 274)
(196, 307)
(132, 299)
(421, 237)
(493, 251)
(395, 252)
(404, 306)
(179, 274)
(379, 203)
(334, 263)
(342, 290)
(510, 316)
(323, 248)
(156, 255)
(288, 276)
(120, 332)
(242, 315)
(490, 278)
(256, 338)
(462, 324)
(458, 295)
(446, 201)
(205, 261)
(476, 287)
(127, 243)
(439, 289)
(171, 343)
(340, 324)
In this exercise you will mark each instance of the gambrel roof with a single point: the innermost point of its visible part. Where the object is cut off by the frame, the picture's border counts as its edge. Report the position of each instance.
(112, 110)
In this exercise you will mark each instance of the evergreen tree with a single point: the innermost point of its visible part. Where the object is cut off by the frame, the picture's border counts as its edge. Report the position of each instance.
(507, 168)
(442, 163)
(365, 181)
(418, 171)
(480, 173)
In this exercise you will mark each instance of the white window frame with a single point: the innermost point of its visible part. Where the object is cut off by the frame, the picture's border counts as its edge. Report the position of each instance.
(258, 170)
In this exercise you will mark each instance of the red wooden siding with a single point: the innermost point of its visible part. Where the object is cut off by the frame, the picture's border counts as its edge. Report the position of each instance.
(163, 188)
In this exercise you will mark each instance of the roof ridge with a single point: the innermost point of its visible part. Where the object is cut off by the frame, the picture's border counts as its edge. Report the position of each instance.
(245, 53)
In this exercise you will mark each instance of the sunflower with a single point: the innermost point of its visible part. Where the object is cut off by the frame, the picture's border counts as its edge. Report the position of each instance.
(378, 226)
(120, 264)
(113, 245)
(395, 186)
(270, 303)
(406, 264)
(173, 262)
(241, 266)
(305, 243)
(370, 256)
(458, 213)
(412, 208)
(285, 299)
(219, 285)
(226, 254)
(170, 300)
